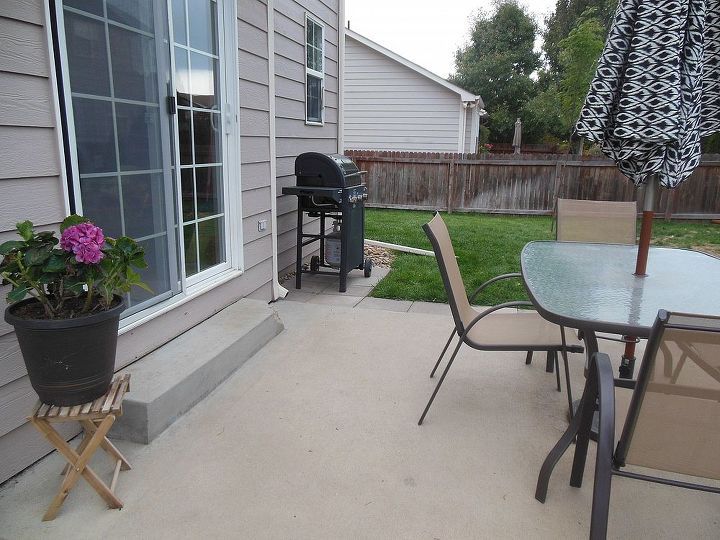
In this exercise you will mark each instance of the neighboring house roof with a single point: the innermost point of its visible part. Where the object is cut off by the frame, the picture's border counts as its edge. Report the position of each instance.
(464, 94)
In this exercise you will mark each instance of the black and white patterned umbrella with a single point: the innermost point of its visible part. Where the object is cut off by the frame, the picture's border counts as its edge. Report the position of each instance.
(655, 94)
(656, 91)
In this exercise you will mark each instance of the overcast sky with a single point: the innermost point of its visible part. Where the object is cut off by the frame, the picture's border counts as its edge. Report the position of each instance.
(428, 32)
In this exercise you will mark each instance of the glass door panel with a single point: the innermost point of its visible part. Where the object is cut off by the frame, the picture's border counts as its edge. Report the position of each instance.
(199, 133)
(116, 59)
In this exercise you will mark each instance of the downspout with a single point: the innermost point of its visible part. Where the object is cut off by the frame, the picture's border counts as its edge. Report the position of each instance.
(278, 291)
(463, 120)
(341, 78)
(475, 127)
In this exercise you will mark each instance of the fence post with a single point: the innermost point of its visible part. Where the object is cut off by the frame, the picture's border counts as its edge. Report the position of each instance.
(556, 184)
(451, 182)
(671, 204)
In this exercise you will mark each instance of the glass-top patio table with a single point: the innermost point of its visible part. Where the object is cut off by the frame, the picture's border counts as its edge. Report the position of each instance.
(592, 287)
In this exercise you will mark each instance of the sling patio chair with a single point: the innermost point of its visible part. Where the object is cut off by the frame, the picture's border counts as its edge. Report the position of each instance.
(595, 222)
(491, 329)
(673, 422)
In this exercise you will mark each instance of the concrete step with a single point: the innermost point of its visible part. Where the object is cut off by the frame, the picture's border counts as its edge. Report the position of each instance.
(169, 381)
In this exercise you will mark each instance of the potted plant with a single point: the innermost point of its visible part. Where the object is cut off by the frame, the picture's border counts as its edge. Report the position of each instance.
(65, 302)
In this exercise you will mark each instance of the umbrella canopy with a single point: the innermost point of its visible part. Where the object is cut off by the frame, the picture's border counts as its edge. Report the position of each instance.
(656, 91)
(655, 94)
(517, 136)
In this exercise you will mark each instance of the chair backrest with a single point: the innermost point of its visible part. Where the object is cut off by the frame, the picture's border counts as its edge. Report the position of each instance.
(606, 222)
(437, 232)
(673, 422)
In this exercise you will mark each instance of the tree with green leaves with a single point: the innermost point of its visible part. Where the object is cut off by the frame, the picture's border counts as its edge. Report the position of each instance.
(566, 17)
(579, 53)
(498, 63)
(551, 114)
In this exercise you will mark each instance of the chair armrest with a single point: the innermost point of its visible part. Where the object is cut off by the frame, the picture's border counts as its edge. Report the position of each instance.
(488, 311)
(472, 297)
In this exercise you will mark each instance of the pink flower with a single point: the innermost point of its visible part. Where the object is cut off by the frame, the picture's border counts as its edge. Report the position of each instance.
(85, 240)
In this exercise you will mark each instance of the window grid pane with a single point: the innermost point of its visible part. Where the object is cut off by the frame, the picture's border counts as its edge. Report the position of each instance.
(314, 46)
(199, 131)
(115, 105)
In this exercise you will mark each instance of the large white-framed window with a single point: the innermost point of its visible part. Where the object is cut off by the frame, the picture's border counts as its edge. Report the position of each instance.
(150, 91)
(314, 71)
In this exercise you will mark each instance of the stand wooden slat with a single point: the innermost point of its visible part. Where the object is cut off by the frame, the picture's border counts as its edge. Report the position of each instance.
(96, 418)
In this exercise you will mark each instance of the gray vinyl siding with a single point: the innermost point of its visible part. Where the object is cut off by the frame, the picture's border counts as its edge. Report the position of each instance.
(30, 188)
(293, 136)
(389, 106)
(255, 135)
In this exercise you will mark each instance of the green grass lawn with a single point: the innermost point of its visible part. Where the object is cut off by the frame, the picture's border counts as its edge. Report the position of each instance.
(486, 246)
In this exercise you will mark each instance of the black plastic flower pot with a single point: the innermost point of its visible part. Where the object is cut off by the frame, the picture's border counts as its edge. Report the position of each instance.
(69, 361)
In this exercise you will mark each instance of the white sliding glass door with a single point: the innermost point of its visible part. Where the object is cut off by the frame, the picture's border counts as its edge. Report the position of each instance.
(142, 85)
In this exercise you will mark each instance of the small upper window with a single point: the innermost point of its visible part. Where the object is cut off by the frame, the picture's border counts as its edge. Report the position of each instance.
(314, 71)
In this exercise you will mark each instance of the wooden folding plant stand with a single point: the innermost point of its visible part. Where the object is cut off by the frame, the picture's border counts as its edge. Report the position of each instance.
(96, 418)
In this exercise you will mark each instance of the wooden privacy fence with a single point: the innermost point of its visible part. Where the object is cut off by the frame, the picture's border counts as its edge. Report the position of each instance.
(524, 184)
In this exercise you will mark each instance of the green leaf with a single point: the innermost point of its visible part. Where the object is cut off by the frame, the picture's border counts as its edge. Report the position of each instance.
(71, 220)
(138, 260)
(7, 247)
(125, 244)
(74, 287)
(25, 229)
(17, 294)
(47, 236)
(38, 255)
(56, 263)
(144, 286)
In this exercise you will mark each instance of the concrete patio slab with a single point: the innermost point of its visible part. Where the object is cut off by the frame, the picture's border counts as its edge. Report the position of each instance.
(430, 308)
(316, 437)
(385, 304)
(295, 295)
(335, 300)
(352, 290)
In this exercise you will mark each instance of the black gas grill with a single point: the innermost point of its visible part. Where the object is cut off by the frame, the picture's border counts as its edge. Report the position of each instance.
(330, 186)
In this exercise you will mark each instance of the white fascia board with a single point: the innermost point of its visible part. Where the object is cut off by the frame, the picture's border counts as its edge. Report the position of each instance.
(465, 96)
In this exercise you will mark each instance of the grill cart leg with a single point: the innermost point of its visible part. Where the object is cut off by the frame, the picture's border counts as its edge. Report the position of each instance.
(344, 244)
(322, 238)
(343, 280)
(298, 255)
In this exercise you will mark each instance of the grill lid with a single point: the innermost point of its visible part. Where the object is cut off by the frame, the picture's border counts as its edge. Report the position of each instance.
(326, 170)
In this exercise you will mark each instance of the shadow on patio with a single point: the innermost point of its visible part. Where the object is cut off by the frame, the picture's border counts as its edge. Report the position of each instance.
(316, 436)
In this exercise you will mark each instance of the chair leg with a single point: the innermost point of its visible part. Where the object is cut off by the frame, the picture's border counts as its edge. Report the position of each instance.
(439, 384)
(528, 358)
(557, 371)
(581, 444)
(567, 383)
(605, 447)
(601, 494)
(432, 373)
(550, 362)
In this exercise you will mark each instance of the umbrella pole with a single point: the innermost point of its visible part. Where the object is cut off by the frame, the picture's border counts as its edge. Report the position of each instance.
(646, 227)
(627, 365)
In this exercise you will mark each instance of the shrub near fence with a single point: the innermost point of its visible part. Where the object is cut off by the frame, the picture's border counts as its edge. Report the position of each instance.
(521, 184)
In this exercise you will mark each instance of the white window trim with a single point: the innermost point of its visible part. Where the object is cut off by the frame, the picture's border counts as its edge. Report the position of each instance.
(318, 74)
